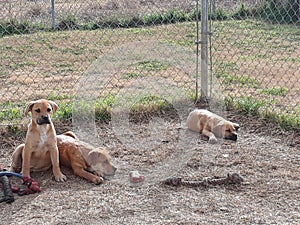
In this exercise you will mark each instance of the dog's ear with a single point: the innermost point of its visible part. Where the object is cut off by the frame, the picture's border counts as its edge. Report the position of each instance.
(236, 126)
(29, 107)
(219, 129)
(53, 105)
(93, 157)
(98, 155)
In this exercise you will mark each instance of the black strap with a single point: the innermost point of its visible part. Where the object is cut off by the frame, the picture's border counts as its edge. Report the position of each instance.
(8, 195)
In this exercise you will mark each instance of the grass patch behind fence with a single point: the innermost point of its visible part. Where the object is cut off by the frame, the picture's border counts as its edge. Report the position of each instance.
(229, 69)
(262, 108)
(276, 91)
(102, 108)
(269, 12)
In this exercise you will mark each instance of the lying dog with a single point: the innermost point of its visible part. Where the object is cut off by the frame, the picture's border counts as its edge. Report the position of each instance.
(211, 125)
(85, 160)
(40, 150)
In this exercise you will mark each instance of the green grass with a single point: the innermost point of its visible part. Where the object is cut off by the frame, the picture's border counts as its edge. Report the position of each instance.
(132, 75)
(22, 64)
(228, 69)
(150, 103)
(263, 108)
(101, 106)
(267, 11)
(276, 91)
(148, 66)
(12, 112)
(235, 79)
(247, 105)
(152, 65)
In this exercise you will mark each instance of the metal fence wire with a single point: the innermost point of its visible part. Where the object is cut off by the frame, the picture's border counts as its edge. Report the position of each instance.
(98, 52)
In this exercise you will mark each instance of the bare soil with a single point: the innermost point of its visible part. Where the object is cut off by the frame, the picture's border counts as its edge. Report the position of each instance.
(268, 159)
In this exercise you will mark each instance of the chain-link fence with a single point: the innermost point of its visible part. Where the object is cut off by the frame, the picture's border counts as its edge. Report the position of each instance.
(98, 51)
(255, 57)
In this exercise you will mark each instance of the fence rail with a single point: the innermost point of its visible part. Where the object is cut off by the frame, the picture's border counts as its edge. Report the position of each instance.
(253, 49)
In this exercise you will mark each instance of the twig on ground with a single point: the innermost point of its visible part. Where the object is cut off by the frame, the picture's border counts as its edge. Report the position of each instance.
(231, 179)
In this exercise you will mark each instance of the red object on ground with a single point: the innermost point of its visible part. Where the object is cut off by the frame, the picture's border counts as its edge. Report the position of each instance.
(136, 177)
(32, 187)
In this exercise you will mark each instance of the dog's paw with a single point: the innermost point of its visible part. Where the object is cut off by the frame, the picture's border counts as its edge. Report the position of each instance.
(97, 180)
(61, 178)
(212, 140)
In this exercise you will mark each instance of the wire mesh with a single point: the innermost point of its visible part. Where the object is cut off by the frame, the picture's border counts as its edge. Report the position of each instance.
(46, 57)
(46, 51)
(255, 57)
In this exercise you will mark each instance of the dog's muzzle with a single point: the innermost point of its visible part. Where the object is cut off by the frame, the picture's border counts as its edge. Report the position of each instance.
(43, 120)
(232, 137)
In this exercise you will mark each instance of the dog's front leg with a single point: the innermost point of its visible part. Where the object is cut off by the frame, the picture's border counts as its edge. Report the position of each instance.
(212, 138)
(87, 175)
(58, 175)
(26, 161)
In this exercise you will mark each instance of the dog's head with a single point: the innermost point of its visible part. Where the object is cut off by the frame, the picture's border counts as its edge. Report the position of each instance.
(101, 163)
(41, 111)
(226, 129)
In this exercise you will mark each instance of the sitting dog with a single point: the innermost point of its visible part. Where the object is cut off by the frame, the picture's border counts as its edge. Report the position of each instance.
(85, 160)
(40, 150)
(211, 125)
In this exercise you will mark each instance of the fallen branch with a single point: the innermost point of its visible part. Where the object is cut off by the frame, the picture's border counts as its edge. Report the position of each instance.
(231, 179)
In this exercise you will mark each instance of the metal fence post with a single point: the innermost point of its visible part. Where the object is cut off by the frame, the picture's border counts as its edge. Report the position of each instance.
(204, 50)
(53, 14)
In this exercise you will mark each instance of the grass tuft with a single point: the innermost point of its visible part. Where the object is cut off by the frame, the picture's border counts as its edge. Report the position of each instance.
(152, 65)
(150, 103)
(276, 91)
(261, 108)
(12, 112)
(234, 79)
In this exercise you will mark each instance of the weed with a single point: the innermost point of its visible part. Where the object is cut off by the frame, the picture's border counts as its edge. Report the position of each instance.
(152, 65)
(242, 13)
(11, 112)
(65, 111)
(234, 79)
(288, 121)
(219, 14)
(103, 108)
(22, 64)
(273, 11)
(11, 27)
(132, 75)
(257, 107)
(54, 96)
(150, 103)
(246, 105)
(16, 130)
(276, 91)
(70, 22)
(192, 95)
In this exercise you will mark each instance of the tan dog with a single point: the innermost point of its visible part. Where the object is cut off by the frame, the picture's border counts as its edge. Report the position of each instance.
(40, 150)
(211, 125)
(85, 160)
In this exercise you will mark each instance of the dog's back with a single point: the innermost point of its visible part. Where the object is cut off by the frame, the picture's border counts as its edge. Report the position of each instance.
(199, 118)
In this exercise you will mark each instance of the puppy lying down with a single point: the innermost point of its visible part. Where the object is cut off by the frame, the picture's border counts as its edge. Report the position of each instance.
(86, 161)
(211, 125)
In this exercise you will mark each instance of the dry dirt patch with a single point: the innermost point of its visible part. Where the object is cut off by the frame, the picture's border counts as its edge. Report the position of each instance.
(267, 158)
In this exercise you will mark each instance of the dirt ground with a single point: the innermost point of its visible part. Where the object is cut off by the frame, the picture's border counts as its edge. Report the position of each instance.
(267, 158)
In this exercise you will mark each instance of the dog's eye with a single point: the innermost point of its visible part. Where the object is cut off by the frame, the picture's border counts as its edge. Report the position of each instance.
(38, 110)
(48, 110)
